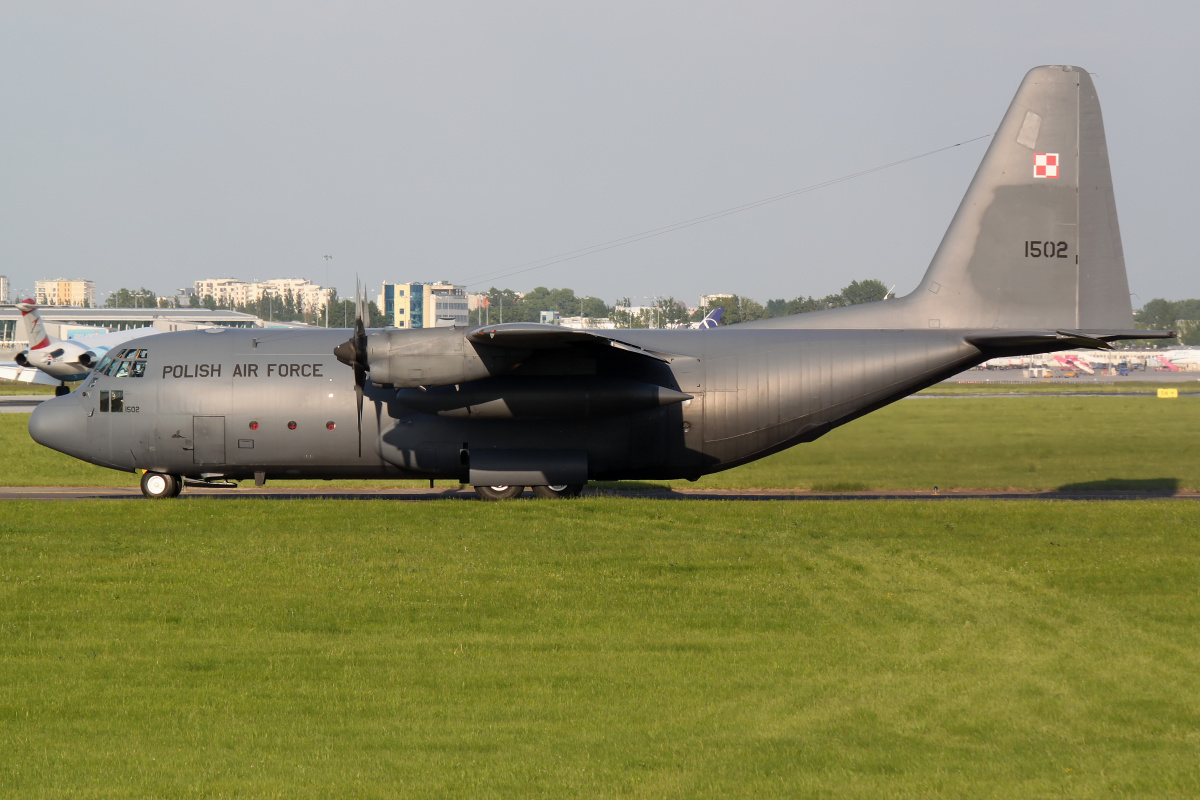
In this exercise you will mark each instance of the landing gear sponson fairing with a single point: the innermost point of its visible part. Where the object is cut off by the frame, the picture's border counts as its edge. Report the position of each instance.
(1031, 263)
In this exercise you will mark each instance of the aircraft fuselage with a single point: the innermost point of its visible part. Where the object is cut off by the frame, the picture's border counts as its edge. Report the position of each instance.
(236, 403)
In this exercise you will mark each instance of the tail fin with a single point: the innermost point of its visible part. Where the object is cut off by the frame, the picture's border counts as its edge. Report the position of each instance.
(712, 319)
(33, 323)
(1034, 244)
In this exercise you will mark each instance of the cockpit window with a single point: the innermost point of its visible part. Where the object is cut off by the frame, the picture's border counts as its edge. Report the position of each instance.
(116, 403)
(121, 363)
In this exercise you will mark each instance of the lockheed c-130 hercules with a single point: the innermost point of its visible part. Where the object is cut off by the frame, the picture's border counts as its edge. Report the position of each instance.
(1031, 263)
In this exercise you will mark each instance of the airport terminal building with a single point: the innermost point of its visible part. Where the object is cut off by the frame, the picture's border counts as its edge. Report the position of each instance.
(67, 322)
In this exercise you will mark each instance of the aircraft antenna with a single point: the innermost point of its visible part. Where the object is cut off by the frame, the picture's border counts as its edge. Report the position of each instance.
(549, 261)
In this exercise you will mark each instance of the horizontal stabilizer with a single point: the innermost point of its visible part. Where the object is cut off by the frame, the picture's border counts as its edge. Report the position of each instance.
(1023, 342)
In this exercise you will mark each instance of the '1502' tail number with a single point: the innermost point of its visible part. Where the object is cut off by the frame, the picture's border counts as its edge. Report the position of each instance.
(1045, 249)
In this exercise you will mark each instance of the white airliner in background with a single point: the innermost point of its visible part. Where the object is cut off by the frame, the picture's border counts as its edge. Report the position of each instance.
(56, 362)
(1183, 357)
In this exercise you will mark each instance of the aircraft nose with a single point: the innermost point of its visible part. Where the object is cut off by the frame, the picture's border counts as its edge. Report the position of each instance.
(60, 424)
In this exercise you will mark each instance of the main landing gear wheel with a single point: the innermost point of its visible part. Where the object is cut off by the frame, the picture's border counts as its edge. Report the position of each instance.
(499, 492)
(559, 491)
(61, 389)
(156, 485)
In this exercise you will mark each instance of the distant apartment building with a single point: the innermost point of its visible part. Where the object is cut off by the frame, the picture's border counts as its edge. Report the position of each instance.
(586, 323)
(711, 301)
(66, 292)
(3, 288)
(424, 305)
(232, 292)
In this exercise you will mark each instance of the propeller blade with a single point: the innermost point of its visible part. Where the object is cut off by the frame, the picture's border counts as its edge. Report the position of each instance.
(353, 353)
(358, 392)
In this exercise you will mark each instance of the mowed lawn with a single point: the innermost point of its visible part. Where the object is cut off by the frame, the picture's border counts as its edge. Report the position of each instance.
(951, 443)
(599, 647)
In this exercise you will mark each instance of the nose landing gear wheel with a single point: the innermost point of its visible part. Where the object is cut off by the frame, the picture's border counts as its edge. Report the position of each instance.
(156, 485)
(557, 492)
(499, 492)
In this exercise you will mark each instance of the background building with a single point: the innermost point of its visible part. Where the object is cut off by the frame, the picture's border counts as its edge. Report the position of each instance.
(710, 301)
(308, 296)
(66, 292)
(423, 305)
(67, 323)
(3, 288)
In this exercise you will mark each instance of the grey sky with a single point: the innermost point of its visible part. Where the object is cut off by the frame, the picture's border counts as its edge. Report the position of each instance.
(153, 144)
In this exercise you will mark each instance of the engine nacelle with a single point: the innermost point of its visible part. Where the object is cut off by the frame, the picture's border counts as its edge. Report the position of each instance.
(434, 357)
(22, 358)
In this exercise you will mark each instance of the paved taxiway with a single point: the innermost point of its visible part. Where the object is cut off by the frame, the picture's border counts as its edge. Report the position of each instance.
(460, 493)
(21, 403)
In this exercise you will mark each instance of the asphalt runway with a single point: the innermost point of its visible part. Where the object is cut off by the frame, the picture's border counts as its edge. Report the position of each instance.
(460, 493)
(21, 403)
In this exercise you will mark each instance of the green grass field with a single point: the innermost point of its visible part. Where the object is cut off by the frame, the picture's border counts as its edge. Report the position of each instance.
(960, 443)
(8, 388)
(599, 647)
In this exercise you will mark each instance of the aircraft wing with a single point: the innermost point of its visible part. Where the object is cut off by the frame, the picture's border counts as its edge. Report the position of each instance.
(536, 336)
(10, 370)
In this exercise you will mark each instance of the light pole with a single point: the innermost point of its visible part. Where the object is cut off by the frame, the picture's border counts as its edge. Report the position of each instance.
(327, 258)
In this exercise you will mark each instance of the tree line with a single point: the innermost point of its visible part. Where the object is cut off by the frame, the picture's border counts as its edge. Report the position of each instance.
(1178, 315)
(508, 306)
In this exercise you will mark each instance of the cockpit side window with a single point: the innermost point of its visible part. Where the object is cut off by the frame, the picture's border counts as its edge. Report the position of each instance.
(122, 370)
(138, 369)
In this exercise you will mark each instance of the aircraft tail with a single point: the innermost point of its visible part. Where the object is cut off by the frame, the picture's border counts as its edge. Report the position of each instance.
(38, 338)
(712, 319)
(1035, 242)
(1034, 245)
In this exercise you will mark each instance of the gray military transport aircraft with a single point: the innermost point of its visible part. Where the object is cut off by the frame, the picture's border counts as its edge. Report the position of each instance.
(1031, 263)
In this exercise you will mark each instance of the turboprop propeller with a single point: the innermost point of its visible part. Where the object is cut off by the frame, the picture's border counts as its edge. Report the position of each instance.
(353, 353)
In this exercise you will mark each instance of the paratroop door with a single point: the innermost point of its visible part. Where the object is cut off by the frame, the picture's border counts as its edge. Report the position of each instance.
(208, 440)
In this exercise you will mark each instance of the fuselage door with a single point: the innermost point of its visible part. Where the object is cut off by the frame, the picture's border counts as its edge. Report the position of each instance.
(208, 439)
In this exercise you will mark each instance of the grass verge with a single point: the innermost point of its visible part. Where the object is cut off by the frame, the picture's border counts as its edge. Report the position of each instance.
(599, 647)
(8, 388)
(990, 384)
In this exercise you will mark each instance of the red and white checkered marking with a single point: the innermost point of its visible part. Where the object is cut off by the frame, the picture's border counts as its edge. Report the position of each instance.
(1045, 165)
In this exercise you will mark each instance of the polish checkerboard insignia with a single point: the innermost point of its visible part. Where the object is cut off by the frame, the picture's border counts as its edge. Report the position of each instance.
(1045, 165)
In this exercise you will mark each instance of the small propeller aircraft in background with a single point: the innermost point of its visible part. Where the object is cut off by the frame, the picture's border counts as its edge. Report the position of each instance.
(1031, 263)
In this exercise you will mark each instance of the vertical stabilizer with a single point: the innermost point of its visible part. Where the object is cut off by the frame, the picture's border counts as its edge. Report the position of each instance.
(33, 324)
(1035, 242)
